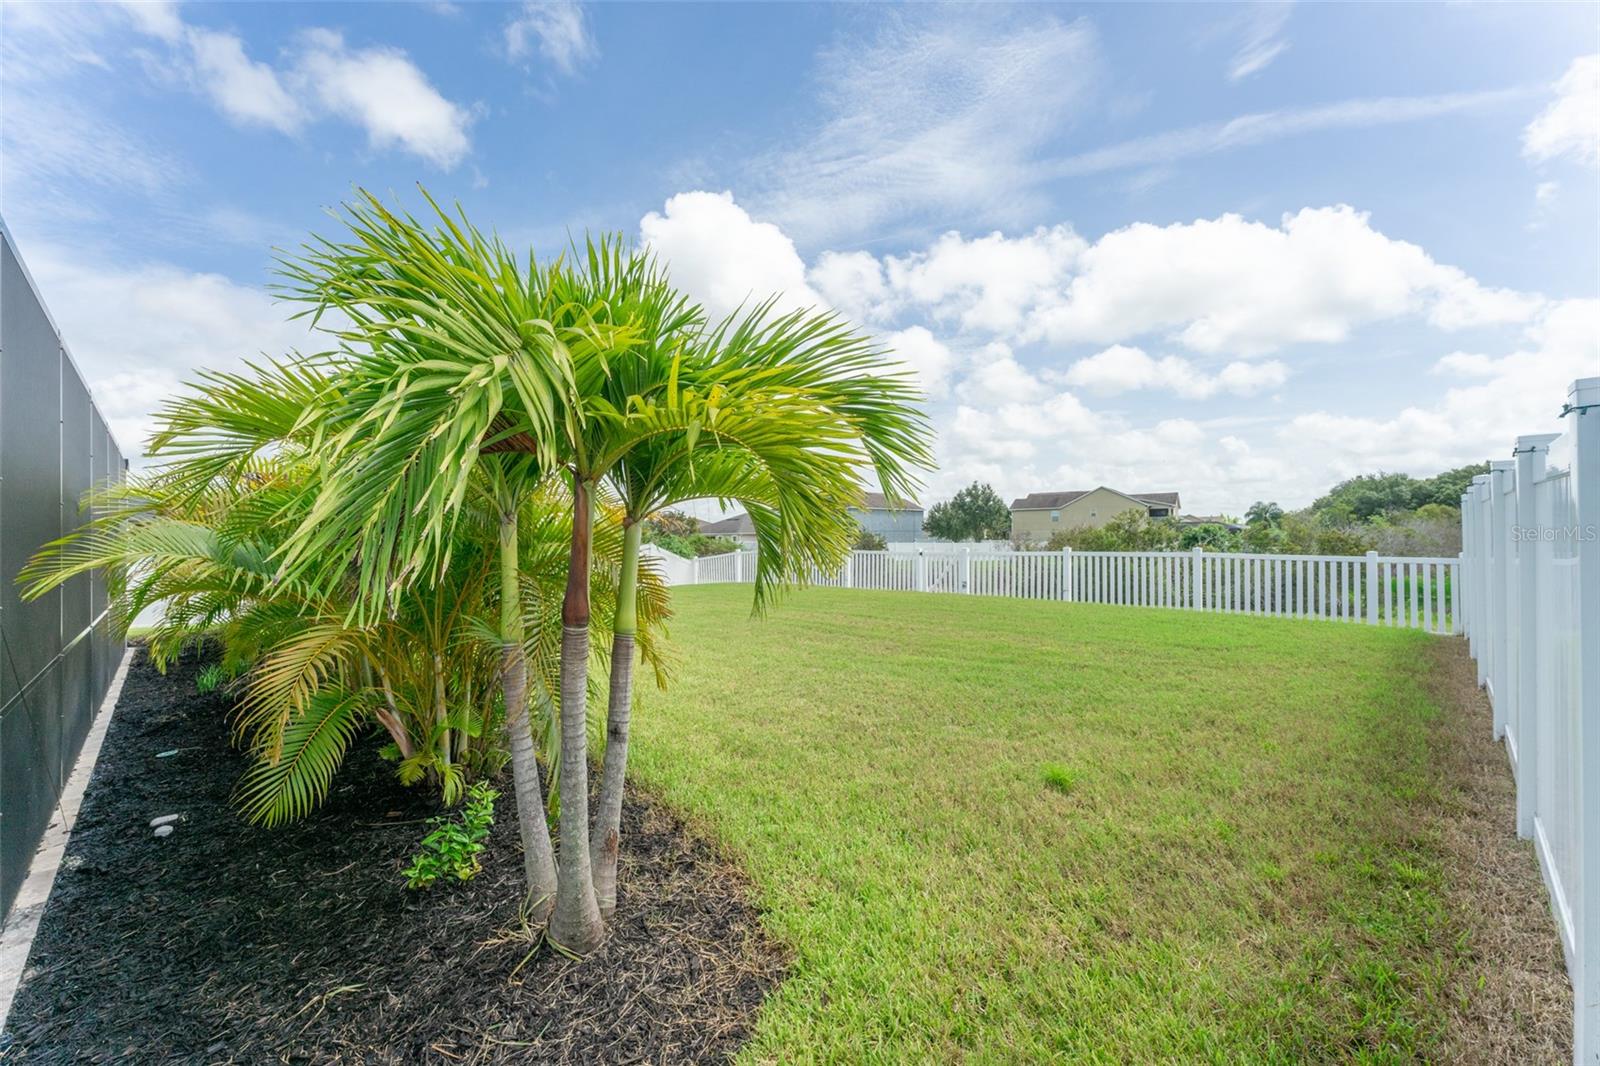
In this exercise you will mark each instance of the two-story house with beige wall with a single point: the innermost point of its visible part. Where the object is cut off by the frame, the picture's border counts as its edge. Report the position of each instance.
(1039, 514)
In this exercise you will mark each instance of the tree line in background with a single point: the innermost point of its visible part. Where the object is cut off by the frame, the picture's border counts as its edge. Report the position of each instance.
(680, 534)
(1393, 514)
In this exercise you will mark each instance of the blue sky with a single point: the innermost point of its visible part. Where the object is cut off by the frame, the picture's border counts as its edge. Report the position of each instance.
(1236, 251)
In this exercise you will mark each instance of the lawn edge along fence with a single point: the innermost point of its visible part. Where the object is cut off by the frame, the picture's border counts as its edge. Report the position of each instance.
(1531, 529)
(58, 654)
(1386, 590)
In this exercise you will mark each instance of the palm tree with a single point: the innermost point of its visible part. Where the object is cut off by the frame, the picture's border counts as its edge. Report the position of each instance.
(783, 412)
(199, 534)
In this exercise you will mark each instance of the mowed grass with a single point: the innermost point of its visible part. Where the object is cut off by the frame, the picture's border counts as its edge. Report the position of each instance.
(1001, 831)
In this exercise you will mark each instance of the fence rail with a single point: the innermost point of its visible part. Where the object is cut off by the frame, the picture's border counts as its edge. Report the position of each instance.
(1531, 553)
(1413, 593)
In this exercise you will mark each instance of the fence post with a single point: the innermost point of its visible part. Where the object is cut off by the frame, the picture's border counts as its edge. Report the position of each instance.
(966, 569)
(694, 570)
(1529, 452)
(738, 565)
(1372, 588)
(1583, 405)
(921, 572)
(849, 570)
(1197, 591)
(1484, 626)
(1461, 603)
(1500, 638)
(1066, 573)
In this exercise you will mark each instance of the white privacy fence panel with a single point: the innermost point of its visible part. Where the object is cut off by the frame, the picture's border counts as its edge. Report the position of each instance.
(1413, 593)
(1531, 563)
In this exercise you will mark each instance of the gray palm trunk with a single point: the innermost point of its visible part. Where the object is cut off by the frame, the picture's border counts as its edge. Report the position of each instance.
(606, 841)
(576, 925)
(607, 838)
(538, 857)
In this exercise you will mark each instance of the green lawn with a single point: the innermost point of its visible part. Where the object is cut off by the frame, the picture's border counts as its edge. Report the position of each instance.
(1009, 831)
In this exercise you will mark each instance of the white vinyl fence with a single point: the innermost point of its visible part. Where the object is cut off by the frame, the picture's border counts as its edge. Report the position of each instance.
(1532, 618)
(1374, 589)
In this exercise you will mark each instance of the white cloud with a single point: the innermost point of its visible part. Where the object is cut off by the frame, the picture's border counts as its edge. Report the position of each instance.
(724, 258)
(969, 315)
(1244, 287)
(997, 377)
(1516, 394)
(557, 29)
(925, 356)
(1263, 39)
(939, 114)
(1121, 369)
(1260, 127)
(381, 90)
(245, 90)
(1570, 125)
(378, 88)
(1465, 364)
(136, 331)
(1223, 285)
(853, 282)
(986, 282)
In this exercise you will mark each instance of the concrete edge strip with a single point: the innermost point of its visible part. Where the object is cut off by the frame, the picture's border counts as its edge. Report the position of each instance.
(16, 939)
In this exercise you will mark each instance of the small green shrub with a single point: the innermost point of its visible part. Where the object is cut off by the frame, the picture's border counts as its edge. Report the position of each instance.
(451, 848)
(210, 679)
(1059, 777)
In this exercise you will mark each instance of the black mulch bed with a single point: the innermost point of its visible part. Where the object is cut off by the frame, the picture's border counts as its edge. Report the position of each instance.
(225, 943)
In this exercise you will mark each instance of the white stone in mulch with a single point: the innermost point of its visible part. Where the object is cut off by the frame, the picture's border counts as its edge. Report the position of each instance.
(163, 830)
(165, 819)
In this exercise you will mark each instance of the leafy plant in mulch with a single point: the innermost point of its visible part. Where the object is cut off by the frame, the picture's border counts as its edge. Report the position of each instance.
(452, 847)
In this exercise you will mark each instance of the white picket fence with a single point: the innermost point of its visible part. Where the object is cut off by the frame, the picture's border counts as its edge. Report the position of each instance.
(1417, 593)
(1531, 529)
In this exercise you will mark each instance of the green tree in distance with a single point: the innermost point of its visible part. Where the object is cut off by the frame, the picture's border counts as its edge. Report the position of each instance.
(975, 513)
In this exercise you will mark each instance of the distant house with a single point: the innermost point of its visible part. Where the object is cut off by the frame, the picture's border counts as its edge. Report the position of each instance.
(739, 528)
(1037, 515)
(894, 524)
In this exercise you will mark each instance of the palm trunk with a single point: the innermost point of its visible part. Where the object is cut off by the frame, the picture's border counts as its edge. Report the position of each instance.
(538, 857)
(576, 926)
(607, 837)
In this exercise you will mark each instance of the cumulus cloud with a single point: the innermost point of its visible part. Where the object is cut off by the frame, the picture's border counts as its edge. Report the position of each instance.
(925, 356)
(724, 258)
(556, 29)
(136, 331)
(853, 282)
(1056, 441)
(244, 89)
(986, 283)
(1515, 394)
(1224, 285)
(1121, 368)
(382, 91)
(1229, 284)
(1570, 125)
(377, 88)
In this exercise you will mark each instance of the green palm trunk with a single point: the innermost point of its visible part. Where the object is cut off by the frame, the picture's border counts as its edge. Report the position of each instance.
(538, 857)
(606, 838)
(576, 925)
